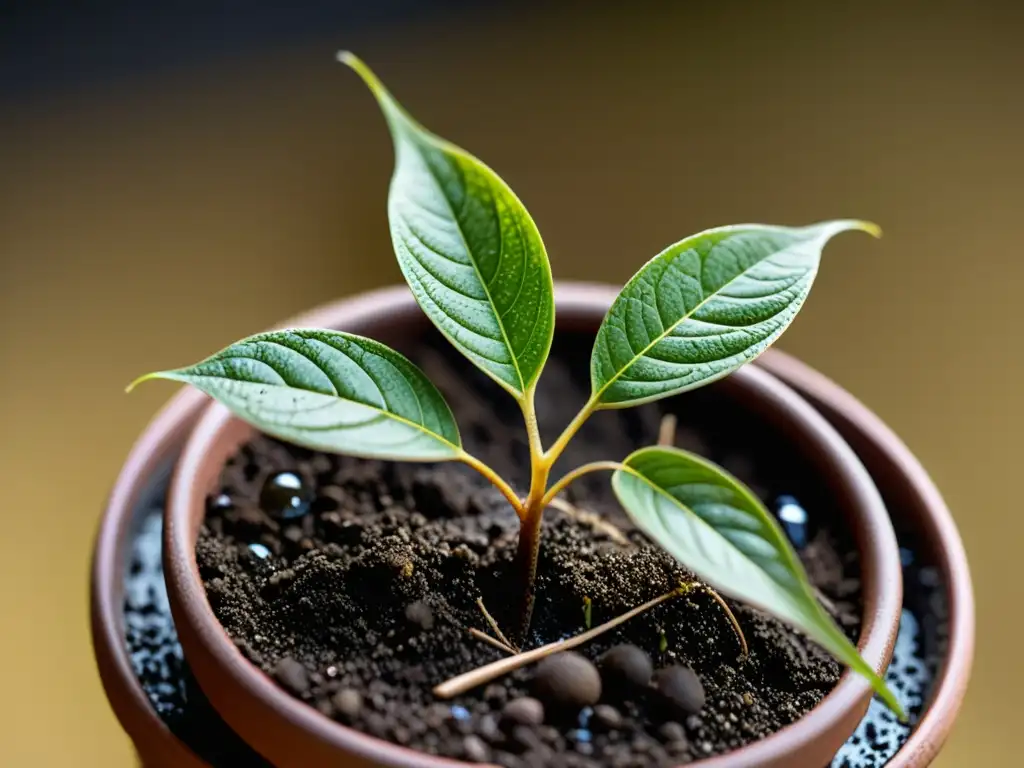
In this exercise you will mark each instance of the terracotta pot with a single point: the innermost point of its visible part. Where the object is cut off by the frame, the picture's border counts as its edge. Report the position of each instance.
(290, 733)
(905, 486)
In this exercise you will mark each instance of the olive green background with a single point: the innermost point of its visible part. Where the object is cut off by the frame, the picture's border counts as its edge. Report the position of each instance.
(147, 222)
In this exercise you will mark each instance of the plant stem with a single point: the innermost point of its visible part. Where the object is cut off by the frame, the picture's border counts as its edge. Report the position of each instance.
(496, 481)
(489, 672)
(526, 565)
(532, 429)
(563, 482)
(667, 429)
(531, 518)
(563, 440)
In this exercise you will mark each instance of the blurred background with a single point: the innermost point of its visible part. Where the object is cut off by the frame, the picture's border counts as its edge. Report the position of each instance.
(174, 176)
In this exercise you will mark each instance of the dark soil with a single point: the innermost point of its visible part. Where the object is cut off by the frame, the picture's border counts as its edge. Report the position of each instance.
(355, 590)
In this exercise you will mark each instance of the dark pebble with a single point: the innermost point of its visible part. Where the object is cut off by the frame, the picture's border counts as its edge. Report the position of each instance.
(347, 703)
(549, 734)
(292, 675)
(437, 714)
(671, 732)
(474, 749)
(606, 718)
(377, 724)
(488, 728)
(680, 689)
(523, 711)
(642, 744)
(525, 739)
(324, 707)
(420, 615)
(626, 666)
(567, 682)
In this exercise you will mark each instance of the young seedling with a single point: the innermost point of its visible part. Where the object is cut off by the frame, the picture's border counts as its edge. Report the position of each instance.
(476, 264)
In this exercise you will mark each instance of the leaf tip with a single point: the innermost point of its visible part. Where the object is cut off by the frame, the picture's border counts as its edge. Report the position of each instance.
(358, 66)
(145, 377)
(136, 382)
(894, 704)
(868, 226)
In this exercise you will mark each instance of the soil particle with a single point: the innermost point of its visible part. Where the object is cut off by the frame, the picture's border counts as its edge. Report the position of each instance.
(523, 711)
(292, 675)
(606, 718)
(672, 732)
(347, 704)
(419, 614)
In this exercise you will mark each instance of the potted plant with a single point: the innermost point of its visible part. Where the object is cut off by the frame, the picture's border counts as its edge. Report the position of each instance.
(320, 601)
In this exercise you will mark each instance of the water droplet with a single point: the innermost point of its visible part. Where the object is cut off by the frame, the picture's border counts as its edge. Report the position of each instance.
(794, 519)
(220, 501)
(285, 496)
(906, 557)
(460, 713)
(259, 550)
(580, 734)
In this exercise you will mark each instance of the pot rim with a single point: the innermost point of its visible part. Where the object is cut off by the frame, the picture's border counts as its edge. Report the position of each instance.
(884, 452)
(244, 694)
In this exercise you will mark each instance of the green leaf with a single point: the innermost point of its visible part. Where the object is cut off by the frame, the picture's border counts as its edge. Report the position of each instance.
(704, 307)
(468, 249)
(717, 528)
(329, 391)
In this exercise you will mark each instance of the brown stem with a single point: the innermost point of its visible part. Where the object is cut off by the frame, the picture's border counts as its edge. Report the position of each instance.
(531, 518)
(526, 566)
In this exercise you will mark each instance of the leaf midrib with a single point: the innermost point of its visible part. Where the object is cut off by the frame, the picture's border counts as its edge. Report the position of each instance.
(596, 397)
(388, 414)
(472, 257)
(659, 490)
